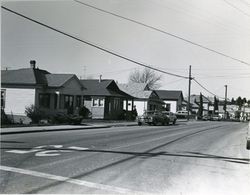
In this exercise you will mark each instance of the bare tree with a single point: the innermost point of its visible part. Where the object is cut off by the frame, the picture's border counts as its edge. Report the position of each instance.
(146, 76)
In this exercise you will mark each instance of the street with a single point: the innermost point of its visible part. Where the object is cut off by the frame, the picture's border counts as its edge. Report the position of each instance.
(205, 157)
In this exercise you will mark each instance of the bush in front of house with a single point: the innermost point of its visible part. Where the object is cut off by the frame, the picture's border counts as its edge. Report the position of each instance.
(5, 120)
(84, 112)
(62, 118)
(33, 113)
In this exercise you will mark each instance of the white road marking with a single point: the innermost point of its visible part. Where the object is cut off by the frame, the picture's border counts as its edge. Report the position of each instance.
(77, 148)
(69, 180)
(41, 150)
(51, 152)
(23, 151)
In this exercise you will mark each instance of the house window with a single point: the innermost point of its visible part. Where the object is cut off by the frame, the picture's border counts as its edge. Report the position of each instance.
(44, 100)
(168, 106)
(101, 102)
(78, 101)
(68, 101)
(98, 102)
(3, 95)
(95, 102)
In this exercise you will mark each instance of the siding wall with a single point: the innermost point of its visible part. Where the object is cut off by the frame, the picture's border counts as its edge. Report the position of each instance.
(173, 105)
(141, 106)
(17, 99)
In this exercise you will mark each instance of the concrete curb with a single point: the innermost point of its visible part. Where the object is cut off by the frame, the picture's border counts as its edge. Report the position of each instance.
(6, 132)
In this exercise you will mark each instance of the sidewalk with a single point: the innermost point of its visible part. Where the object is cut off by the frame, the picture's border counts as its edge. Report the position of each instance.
(84, 125)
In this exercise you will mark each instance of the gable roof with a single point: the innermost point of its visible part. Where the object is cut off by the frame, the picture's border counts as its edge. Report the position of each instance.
(107, 87)
(137, 90)
(34, 77)
(169, 94)
(58, 80)
(25, 76)
(196, 99)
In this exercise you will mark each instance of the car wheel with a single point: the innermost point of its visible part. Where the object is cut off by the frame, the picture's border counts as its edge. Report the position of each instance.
(139, 123)
(248, 144)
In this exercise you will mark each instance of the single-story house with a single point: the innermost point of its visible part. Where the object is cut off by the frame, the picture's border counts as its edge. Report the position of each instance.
(173, 99)
(144, 98)
(51, 93)
(103, 98)
(195, 100)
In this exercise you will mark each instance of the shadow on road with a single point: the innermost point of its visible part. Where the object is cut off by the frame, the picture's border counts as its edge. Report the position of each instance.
(146, 154)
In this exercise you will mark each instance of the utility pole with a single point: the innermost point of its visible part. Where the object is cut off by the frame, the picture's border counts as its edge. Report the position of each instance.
(189, 90)
(225, 104)
(84, 72)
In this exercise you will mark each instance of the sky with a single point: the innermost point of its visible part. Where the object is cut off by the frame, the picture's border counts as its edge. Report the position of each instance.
(221, 25)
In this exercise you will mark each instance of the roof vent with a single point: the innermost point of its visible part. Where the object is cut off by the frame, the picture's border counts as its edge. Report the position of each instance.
(100, 78)
(33, 64)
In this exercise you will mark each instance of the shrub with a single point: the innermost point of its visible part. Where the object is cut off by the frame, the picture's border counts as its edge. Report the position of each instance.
(33, 113)
(4, 118)
(84, 112)
(60, 118)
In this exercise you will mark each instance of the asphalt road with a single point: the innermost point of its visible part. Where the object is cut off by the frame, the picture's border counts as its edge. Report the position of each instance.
(188, 158)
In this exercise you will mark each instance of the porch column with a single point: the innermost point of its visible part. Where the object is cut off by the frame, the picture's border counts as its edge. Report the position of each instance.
(126, 104)
(58, 100)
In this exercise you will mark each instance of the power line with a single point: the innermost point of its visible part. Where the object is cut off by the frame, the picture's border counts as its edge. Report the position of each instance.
(92, 44)
(206, 89)
(235, 7)
(245, 2)
(164, 32)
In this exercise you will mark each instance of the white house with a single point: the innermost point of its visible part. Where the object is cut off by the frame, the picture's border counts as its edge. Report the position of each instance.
(172, 99)
(32, 86)
(144, 98)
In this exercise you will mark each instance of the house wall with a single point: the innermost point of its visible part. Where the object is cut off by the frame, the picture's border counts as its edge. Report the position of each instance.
(173, 105)
(141, 106)
(113, 107)
(71, 87)
(17, 99)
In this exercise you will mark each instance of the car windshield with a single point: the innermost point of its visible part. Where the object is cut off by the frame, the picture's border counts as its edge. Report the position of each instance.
(165, 112)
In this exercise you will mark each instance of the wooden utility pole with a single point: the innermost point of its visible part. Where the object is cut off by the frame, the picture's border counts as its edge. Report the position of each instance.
(225, 104)
(189, 90)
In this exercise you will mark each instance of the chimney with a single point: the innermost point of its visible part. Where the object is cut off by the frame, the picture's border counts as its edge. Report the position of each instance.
(100, 78)
(33, 64)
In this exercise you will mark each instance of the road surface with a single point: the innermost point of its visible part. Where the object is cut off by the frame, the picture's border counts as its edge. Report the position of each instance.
(187, 158)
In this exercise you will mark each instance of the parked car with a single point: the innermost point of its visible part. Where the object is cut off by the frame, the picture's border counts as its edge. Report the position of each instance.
(181, 114)
(216, 118)
(171, 117)
(206, 117)
(152, 118)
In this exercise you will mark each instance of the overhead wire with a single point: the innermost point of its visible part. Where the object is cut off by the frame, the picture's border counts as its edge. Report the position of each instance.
(92, 44)
(235, 7)
(206, 89)
(164, 32)
(107, 50)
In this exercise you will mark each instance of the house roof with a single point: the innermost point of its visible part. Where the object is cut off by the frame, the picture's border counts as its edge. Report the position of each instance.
(25, 76)
(169, 94)
(107, 87)
(196, 99)
(137, 90)
(58, 80)
(34, 77)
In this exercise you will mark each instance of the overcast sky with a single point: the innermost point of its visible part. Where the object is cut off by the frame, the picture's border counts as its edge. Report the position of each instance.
(221, 25)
